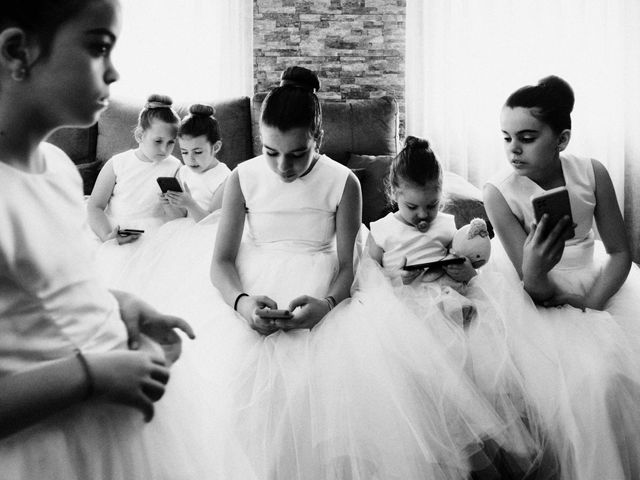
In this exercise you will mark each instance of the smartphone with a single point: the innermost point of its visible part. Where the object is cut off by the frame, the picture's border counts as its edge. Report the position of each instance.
(437, 263)
(169, 184)
(273, 313)
(555, 203)
(125, 232)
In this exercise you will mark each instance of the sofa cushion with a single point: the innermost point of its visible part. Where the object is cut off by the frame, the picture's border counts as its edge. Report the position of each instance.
(459, 197)
(118, 122)
(368, 127)
(78, 143)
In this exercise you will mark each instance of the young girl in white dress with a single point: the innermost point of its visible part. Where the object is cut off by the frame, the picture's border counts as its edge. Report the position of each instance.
(578, 350)
(472, 324)
(79, 371)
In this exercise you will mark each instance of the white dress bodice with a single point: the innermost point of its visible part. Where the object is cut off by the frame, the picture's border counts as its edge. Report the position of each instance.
(51, 301)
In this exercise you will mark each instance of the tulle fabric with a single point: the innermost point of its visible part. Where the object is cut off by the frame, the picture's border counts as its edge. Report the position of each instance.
(368, 393)
(580, 368)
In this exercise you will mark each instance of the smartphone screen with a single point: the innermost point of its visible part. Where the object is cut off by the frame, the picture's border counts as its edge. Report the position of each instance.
(274, 313)
(169, 184)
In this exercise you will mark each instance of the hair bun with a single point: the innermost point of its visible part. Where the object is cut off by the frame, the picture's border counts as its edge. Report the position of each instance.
(415, 142)
(202, 109)
(158, 101)
(560, 90)
(300, 77)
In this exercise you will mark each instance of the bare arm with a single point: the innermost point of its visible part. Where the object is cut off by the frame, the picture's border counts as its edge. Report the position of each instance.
(611, 227)
(99, 200)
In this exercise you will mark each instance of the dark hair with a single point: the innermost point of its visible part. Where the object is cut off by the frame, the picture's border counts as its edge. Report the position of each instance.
(158, 107)
(294, 103)
(200, 121)
(40, 17)
(552, 100)
(416, 163)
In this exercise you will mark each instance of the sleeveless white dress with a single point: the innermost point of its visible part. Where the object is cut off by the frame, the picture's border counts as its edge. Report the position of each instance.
(52, 304)
(368, 393)
(580, 368)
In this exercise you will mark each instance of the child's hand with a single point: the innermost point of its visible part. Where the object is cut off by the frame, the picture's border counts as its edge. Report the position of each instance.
(136, 379)
(307, 313)
(461, 272)
(121, 238)
(180, 199)
(140, 318)
(543, 247)
(408, 276)
(249, 305)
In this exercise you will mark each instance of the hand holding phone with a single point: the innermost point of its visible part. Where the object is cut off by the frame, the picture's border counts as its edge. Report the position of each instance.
(274, 314)
(436, 263)
(169, 184)
(555, 203)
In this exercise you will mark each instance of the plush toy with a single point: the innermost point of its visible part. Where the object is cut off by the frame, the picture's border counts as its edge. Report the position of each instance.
(472, 241)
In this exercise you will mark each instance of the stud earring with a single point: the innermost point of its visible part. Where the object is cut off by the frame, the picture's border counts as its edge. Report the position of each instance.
(19, 74)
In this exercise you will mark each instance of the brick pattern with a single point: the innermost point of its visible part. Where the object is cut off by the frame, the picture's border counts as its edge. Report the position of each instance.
(357, 47)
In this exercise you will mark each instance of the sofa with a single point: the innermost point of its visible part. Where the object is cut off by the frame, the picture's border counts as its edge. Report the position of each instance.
(362, 135)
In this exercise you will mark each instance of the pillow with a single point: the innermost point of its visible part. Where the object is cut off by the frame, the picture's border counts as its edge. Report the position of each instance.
(463, 200)
(371, 170)
(89, 173)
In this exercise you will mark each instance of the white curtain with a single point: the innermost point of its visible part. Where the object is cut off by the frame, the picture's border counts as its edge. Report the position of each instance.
(188, 49)
(464, 57)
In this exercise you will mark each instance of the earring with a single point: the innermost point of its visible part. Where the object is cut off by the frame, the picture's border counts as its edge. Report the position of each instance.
(20, 74)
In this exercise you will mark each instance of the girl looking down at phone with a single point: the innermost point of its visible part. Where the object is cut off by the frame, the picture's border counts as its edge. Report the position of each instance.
(580, 347)
(462, 305)
(202, 176)
(126, 194)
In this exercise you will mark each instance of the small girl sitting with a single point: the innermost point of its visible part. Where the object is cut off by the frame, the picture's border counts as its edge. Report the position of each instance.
(202, 176)
(126, 194)
(418, 232)
(473, 325)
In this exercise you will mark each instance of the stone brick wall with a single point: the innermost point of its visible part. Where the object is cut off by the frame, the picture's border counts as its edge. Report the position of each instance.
(357, 47)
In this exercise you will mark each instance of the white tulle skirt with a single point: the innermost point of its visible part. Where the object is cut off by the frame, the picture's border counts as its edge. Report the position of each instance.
(369, 393)
(580, 368)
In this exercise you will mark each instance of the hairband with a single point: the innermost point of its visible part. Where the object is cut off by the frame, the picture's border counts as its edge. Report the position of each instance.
(156, 105)
(293, 83)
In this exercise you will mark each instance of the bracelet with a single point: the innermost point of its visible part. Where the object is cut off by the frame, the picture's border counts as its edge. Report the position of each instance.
(235, 304)
(331, 301)
(88, 375)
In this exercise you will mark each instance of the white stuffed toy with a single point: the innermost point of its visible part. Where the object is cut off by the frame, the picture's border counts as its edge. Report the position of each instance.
(472, 241)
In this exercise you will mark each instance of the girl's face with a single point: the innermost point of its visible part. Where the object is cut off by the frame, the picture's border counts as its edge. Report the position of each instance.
(290, 154)
(532, 147)
(198, 153)
(418, 205)
(71, 84)
(157, 141)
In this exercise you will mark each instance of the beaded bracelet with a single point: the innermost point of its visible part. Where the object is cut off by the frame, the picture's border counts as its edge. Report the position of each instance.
(88, 375)
(235, 304)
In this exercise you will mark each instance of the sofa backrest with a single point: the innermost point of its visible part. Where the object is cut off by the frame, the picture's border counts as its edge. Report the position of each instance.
(366, 127)
(117, 123)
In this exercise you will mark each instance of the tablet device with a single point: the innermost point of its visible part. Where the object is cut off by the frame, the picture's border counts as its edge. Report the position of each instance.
(169, 184)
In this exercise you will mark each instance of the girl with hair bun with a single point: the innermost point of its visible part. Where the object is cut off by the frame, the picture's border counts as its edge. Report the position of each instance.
(575, 331)
(202, 176)
(126, 194)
